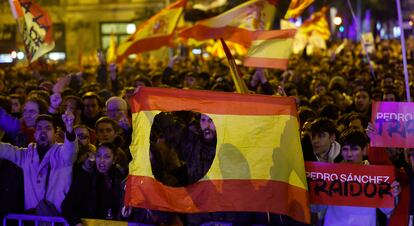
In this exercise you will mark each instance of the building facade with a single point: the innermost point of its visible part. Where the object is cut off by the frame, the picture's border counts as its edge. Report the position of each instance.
(80, 27)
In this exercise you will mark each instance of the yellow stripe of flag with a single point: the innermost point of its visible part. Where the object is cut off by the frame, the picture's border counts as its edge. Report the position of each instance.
(276, 48)
(278, 149)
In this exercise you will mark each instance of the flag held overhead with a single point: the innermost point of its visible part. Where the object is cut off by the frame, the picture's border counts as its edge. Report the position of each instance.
(154, 33)
(270, 49)
(268, 174)
(36, 30)
(236, 24)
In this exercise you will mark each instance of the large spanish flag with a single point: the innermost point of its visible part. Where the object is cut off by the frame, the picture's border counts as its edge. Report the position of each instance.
(235, 24)
(258, 164)
(154, 33)
(270, 49)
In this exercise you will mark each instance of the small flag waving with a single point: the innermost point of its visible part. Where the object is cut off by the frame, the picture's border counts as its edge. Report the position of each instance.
(235, 24)
(235, 72)
(153, 33)
(313, 33)
(36, 30)
(317, 24)
(296, 8)
(258, 164)
(270, 49)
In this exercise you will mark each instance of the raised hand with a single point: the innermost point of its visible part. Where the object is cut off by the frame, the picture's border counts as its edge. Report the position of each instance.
(62, 83)
(123, 121)
(371, 130)
(395, 188)
(112, 70)
(68, 118)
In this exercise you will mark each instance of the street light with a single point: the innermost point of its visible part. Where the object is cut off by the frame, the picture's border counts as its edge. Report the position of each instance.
(337, 20)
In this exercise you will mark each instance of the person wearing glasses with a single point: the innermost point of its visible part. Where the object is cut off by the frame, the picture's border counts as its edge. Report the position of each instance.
(86, 148)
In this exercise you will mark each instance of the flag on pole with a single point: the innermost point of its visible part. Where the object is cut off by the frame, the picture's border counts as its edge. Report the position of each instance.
(258, 164)
(235, 72)
(36, 29)
(296, 7)
(317, 24)
(313, 33)
(235, 24)
(154, 33)
(16, 8)
(270, 49)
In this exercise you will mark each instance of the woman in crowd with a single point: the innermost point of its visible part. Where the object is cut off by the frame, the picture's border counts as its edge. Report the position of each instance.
(96, 193)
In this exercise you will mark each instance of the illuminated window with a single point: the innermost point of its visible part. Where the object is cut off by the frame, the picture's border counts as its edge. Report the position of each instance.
(121, 31)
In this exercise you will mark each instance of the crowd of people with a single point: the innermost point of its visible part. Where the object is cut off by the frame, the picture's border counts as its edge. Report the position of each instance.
(65, 134)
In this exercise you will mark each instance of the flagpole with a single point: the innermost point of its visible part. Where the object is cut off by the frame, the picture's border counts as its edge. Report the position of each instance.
(235, 73)
(362, 41)
(170, 50)
(407, 86)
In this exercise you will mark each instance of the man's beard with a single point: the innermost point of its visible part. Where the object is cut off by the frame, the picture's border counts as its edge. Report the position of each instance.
(209, 136)
(43, 142)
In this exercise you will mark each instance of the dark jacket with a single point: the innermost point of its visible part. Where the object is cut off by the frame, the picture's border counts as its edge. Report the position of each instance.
(410, 175)
(88, 198)
(11, 188)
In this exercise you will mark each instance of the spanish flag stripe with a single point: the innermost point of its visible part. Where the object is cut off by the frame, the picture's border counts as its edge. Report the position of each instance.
(238, 195)
(266, 62)
(274, 34)
(212, 102)
(276, 48)
(142, 45)
(229, 33)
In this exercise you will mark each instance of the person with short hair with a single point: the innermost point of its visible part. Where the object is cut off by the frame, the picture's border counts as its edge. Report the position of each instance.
(323, 134)
(22, 130)
(108, 131)
(354, 147)
(92, 109)
(46, 165)
(86, 148)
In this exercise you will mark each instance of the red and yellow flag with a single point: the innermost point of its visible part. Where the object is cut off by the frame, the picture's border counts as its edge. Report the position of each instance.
(270, 49)
(317, 24)
(258, 165)
(36, 28)
(153, 33)
(235, 24)
(296, 8)
(313, 33)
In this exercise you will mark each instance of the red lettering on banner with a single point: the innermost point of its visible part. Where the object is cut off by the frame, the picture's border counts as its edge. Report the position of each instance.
(350, 184)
